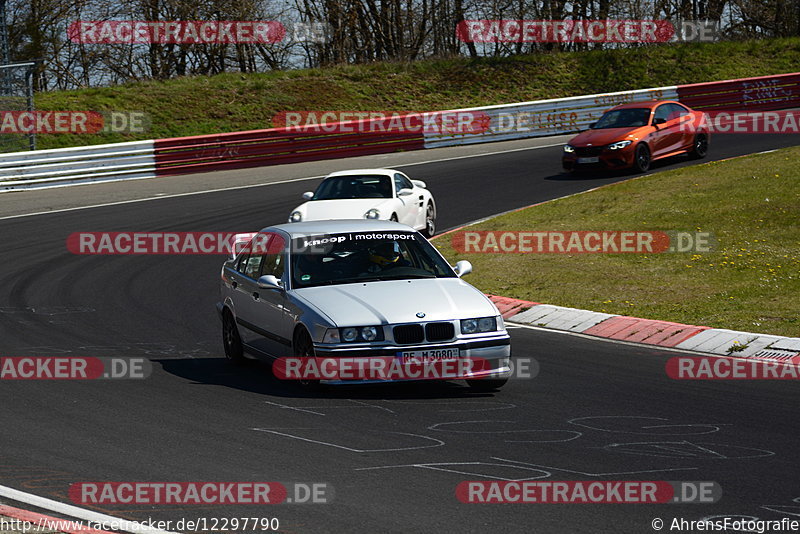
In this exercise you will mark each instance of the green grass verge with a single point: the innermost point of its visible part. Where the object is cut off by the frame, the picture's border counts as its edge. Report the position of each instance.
(750, 282)
(234, 101)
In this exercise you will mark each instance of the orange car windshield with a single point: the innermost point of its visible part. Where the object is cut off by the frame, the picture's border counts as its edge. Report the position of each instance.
(623, 118)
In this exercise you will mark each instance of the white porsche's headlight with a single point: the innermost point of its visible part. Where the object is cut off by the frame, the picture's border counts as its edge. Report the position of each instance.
(296, 216)
(372, 214)
(620, 144)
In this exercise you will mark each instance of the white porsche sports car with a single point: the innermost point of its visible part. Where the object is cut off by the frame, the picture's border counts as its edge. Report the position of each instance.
(384, 194)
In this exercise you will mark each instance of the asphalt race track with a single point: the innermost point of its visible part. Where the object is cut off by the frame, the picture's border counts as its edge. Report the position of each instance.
(393, 455)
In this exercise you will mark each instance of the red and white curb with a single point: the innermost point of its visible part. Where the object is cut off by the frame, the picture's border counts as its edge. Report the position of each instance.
(705, 339)
(79, 517)
(46, 523)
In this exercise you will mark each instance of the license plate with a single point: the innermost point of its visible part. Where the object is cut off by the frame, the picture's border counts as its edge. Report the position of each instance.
(427, 356)
(593, 159)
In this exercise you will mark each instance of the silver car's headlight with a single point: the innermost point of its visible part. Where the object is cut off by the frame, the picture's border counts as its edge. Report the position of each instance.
(296, 216)
(353, 334)
(569, 149)
(331, 336)
(481, 324)
(369, 333)
(349, 334)
(620, 144)
(372, 214)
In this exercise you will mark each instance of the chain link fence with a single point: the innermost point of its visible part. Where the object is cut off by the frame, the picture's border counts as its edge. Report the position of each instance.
(16, 96)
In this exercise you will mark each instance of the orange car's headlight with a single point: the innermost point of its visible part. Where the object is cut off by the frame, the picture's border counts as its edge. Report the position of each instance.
(618, 145)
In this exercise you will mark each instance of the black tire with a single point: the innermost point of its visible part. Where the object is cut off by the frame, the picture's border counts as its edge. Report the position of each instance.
(231, 340)
(304, 348)
(393, 217)
(699, 147)
(486, 384)
(641, 160)
(430, 221)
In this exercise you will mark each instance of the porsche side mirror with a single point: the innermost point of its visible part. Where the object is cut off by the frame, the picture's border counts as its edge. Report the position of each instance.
(658, 121)
(462, 268)
(405, 192)
(308, 195)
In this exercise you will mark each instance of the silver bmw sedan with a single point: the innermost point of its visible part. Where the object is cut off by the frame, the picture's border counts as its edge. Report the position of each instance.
(364, 289)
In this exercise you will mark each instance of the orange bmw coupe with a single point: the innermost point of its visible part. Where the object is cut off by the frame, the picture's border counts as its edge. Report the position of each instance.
(635, 134)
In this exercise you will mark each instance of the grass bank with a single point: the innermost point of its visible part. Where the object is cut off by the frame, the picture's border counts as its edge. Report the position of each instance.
(750, 282)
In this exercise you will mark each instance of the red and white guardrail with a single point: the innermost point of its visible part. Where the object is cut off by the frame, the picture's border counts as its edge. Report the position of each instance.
(185, 155)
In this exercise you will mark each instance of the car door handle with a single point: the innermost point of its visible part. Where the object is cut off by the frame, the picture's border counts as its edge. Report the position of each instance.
(234, 283)
(255, 295)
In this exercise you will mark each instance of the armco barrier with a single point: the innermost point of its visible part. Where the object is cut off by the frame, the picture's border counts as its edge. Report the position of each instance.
(257, 148)
(99, 163)
(766, 92)
(183, 155)
(546, 117)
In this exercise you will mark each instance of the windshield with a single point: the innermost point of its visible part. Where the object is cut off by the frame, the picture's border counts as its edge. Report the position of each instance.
(337, 187)
(333, 259)
(623, 118)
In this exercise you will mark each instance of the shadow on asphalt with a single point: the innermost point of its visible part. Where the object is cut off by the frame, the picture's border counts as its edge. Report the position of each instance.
(257, 377)
(602, 173)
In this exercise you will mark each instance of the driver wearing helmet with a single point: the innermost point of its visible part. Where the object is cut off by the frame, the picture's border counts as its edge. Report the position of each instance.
(384, 256)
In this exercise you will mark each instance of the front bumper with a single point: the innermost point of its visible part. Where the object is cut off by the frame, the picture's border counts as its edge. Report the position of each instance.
(607, 159)
(494, 351)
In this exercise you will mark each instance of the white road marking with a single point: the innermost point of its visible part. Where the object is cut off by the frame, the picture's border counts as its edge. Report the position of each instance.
(439, 442)
(437, 467)
(76, 512)
(292, 408)
(594, 474)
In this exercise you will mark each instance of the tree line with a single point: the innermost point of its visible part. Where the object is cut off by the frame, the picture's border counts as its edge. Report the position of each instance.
(331, 32)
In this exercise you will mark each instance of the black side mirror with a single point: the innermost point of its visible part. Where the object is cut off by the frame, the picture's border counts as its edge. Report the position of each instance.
(658, 121)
